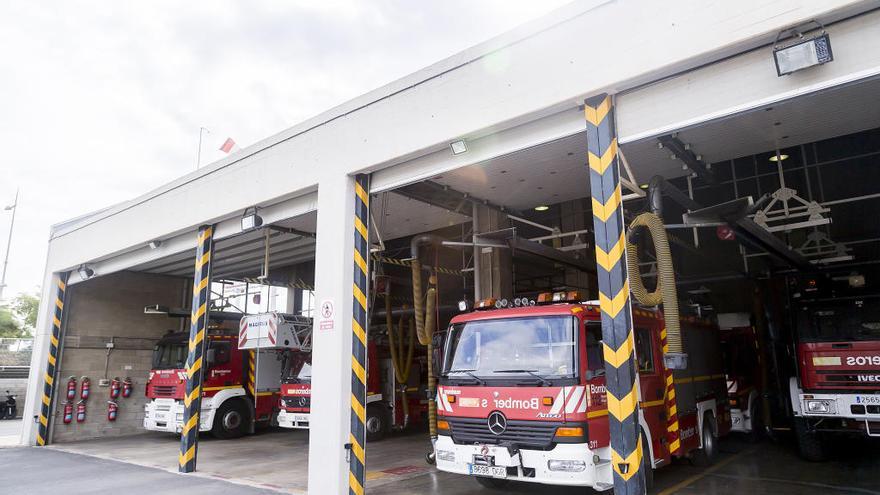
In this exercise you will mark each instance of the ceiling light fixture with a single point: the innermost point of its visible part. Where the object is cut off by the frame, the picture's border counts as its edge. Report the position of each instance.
(154, 244)
(778, 157)
(85, 272)
(458, 147)
(542, 208)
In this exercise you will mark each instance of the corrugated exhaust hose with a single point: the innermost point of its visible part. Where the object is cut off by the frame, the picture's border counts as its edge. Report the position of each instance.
(395, 342)
(425, 321)
(665, 291)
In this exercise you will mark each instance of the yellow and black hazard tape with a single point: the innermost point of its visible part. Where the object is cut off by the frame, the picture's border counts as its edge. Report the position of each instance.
(299, 284)
(358, 433)
(192, 401)
(408, 263)
(614, 301)
(52, 360)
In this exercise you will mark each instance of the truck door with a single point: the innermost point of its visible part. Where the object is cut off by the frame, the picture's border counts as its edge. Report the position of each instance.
(219, 360)
(651, 381)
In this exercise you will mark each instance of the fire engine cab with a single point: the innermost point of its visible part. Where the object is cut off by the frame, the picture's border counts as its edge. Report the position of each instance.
(837, 387)
(522, 394)
(246, 357)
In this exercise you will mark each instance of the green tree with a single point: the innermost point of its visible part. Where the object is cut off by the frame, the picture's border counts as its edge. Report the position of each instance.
(9, 327)
(26, 307)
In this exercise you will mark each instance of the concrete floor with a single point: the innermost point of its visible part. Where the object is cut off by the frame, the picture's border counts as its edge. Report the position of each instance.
(395, 466)
(10, 432)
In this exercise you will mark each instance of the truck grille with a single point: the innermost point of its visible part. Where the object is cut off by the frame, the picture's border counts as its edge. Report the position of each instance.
(297, 401)
(164, 390)
(840, 379)
(525, 434)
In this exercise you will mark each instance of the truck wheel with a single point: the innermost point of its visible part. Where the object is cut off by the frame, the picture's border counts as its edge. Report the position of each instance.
(377, 422)
(231, 419)
(492, 483)
(705, 456)
(647, 465)
(809, 443)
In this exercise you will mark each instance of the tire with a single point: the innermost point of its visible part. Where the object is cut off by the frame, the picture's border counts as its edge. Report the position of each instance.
(492, 483)
(231, 420)
(647, 465)
(809, 442)
(377, 422)
(705, 456)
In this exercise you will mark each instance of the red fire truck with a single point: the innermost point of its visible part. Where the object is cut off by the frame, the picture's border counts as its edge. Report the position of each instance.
(245, 360)
(522, 395)
(385, 411)
(837, 387)
(743, 367)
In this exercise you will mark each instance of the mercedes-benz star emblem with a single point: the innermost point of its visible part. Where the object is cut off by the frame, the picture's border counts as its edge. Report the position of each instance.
(497, 423)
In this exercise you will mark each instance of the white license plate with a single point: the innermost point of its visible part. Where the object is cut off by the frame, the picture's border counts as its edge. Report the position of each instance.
(161, 417)
(300, 418)
(491, 471)
(868, 399)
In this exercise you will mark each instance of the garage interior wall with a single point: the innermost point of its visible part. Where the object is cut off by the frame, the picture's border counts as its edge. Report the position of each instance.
(104, 310)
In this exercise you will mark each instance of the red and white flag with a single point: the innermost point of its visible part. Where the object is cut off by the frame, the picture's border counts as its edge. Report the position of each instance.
(227, 145)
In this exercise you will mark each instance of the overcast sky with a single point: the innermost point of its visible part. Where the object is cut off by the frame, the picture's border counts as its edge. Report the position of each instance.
(102, 101)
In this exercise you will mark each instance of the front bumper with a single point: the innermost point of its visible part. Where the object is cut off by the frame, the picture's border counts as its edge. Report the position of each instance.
(167, 415)
(531, 465)
(851, 409)
(296, 420)
(740, 421)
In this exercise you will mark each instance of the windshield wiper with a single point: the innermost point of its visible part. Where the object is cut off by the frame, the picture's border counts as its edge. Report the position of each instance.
(544, 381)
(479, 380)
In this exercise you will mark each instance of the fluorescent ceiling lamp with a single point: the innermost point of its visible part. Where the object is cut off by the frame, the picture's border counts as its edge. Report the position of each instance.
(802, 54)
(778, 158)
(458, 147)
(542, 208)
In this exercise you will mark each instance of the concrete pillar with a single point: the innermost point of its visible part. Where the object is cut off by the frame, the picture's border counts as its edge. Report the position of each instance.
(39, 356)
(621, 378)
(495, 265)
(332, 338)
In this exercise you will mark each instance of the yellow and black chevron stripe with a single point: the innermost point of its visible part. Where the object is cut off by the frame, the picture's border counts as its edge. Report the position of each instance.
(614, 301)
(358, 433)
(192, 401)
(52, 360)
(671, 404)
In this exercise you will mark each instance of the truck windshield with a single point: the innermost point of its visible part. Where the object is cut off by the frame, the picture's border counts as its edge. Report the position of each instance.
(169, 356)
(841, 320)
(507, 348)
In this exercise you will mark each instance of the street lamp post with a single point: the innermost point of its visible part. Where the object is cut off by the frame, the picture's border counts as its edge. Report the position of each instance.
(8, 244)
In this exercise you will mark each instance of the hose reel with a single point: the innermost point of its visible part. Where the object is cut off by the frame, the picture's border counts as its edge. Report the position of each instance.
(665, 291)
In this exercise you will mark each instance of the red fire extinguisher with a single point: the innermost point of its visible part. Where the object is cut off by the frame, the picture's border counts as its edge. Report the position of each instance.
(80, 411)
(112, 408)
(126, 387)
(71, 388)
(114, 388)
(85, 386)
(68, 412)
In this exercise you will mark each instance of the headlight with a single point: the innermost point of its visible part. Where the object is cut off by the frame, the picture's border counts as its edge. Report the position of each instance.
(446, 455)
(820, 406)
(568, 466)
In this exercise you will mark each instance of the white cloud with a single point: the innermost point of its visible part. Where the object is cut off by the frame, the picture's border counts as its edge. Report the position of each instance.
(102, 101)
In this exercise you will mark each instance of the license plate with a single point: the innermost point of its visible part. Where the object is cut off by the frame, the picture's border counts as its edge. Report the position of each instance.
(161, 417)
(300, 418)
(868, 399)
(490, 471)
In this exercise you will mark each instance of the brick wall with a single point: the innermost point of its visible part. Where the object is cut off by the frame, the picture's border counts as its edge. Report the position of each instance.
(105, 309)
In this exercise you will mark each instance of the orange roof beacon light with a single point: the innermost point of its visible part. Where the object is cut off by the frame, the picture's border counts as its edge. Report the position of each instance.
(562, 296)
(488, 303)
